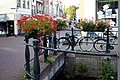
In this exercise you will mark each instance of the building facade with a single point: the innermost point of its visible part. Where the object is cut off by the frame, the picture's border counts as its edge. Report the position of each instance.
(87, 9)
(96, 9)
(39, 7)
(12, 11)
(56, 8)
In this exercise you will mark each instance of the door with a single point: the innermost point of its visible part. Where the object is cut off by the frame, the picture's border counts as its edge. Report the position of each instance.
(10, 28)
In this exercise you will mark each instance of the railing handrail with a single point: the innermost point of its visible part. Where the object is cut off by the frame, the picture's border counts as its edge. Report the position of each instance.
(69, 51)
(64, 51)
(35, 58)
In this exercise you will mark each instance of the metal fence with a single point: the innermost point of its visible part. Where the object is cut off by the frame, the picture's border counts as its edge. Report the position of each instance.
(95, 60)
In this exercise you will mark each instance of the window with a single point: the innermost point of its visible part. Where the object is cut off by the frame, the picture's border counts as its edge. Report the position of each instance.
(28, 6)
(32, 10)
(108, 11)
(23, 3)
(18, 3)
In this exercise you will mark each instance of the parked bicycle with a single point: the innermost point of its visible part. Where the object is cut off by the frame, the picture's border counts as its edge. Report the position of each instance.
(100, 43)
(85, 43)
(42, 43)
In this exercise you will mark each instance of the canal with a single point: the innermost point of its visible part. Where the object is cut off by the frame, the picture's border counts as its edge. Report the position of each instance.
(63, 76)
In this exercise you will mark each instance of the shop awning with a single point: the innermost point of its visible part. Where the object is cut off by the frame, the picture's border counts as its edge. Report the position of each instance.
(3, 17)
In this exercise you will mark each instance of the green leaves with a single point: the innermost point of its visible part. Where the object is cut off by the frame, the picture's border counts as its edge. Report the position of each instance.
(71, 12)
(61, 23)
(107, 72)
(90, 25)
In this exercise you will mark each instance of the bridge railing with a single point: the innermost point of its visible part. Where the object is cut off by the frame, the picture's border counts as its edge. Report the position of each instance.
(36, 63)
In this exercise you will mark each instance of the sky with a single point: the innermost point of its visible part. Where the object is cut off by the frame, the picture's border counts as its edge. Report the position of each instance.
(68, 3)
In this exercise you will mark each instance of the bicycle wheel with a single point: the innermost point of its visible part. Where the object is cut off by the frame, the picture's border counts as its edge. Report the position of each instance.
(100, 45)
(63, 43)
(86, 44)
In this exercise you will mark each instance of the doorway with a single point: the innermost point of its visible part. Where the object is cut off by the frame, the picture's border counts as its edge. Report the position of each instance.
(10, 25)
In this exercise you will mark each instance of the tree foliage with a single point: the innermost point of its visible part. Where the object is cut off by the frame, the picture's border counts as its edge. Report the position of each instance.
(71, 12)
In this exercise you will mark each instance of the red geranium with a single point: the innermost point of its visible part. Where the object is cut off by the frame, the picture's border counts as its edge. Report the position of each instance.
(91, 25)
(43, 24)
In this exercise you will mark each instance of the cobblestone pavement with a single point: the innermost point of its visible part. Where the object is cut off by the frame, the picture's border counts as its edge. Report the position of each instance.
(11, 58)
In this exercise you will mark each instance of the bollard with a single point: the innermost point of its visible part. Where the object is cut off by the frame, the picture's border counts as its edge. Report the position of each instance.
(36, 61)
(27, 57)
(107, 43)
(72, 45)
(45, 50)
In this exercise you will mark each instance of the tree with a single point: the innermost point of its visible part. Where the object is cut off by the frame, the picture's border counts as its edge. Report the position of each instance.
(71, 12)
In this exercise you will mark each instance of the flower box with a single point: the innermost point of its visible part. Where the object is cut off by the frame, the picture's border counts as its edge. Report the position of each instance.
(87, 30)
(36, 26)
(61, 24)
(93, 26)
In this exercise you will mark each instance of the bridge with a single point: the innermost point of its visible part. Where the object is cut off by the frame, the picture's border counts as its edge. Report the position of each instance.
(44, 68)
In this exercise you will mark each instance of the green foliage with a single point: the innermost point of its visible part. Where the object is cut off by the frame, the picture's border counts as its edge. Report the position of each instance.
(87, 25)
(90, 25)
(71, 12)
(50, 58)
(107, 72)
(61, 24)
(81, 68)
(69, 76)
(23, 76)
(77, 50)
(102, 25)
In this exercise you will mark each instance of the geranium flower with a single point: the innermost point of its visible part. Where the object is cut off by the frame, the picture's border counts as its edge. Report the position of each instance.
(61, 23)
(43, 24)
(91, 25)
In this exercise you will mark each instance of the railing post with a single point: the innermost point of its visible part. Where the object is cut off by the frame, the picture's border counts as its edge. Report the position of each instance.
(72, 45)
(54, 42)
(27, 57)
(45, 50)
(50, 41)
(36, 61)
(107, 42)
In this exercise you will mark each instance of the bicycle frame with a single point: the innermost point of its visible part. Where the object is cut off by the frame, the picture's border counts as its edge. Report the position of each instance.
(75, 41)
(78, 37)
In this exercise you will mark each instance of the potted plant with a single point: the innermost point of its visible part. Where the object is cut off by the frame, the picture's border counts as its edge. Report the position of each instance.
(61, 23)
(101, 25)
(36, 26)
(92, 26)
(86, 25)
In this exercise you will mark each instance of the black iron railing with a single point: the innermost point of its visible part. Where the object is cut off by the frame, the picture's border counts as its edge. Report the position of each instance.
(36, 48)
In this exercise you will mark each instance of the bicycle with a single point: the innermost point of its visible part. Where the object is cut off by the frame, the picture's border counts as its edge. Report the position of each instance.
(100, 44)
(41, 43)
(85, 43)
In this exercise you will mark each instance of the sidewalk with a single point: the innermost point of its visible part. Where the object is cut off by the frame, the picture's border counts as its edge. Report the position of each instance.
(11, 58)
